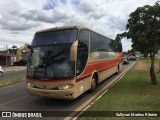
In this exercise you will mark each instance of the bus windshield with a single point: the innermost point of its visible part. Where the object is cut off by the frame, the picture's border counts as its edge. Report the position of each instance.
(49, 58)
(51, 62)
(54, 37)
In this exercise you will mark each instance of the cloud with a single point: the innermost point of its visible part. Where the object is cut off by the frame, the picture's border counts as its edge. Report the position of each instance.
(86, 6)
(8, 43)
(21, 5)
(49, 5)
(50, 16)
(108, 17)
(12, 25)
(1, 17)
(126, 43)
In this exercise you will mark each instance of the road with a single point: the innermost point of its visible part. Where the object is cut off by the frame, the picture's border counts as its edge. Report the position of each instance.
(10, 75)
(15, 98)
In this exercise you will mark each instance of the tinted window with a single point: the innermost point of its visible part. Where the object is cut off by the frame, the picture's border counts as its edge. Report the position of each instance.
(82, 54)
(94, 38)
(53, 37)
(84, 37)
(99, 42)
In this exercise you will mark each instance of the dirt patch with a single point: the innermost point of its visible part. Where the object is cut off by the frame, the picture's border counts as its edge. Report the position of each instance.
(141, 66)
(157, 66)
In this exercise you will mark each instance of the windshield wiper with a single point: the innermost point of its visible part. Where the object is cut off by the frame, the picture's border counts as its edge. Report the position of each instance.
(41, 62)
(45, 60)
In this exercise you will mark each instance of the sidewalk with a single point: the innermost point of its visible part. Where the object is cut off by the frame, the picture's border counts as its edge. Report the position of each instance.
(14, 68)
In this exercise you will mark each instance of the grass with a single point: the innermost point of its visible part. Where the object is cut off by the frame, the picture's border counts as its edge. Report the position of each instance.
(133, 92)
(148, 60)
(10, 82)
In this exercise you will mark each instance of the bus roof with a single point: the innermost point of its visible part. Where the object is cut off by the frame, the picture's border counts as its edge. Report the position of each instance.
(61, 28)
(69, 27)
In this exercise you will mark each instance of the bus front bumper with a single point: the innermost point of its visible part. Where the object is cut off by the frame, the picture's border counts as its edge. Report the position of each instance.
(60, 94)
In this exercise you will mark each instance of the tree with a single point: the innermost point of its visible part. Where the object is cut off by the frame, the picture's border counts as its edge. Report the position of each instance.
(143, 28)
(14, 49)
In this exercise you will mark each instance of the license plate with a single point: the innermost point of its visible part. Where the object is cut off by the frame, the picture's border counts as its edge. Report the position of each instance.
(44, 94)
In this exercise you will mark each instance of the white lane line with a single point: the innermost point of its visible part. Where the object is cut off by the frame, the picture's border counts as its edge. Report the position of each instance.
(13, 100)
(90, 104)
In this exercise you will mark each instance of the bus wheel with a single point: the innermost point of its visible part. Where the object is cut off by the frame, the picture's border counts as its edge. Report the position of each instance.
(93, 84)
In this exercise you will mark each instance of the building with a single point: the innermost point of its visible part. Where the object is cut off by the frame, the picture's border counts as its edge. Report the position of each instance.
(22, 55)
(5, 58)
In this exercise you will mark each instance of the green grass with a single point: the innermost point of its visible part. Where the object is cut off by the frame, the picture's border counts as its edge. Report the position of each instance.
(133, 92)
(9, 82)
(148, 60)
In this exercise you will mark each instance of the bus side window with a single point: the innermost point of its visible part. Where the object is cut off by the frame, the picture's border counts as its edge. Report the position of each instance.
(84, 38)
(82, 52)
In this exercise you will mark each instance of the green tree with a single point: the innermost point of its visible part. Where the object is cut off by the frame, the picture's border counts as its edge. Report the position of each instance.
(14, 49)
(143, 28)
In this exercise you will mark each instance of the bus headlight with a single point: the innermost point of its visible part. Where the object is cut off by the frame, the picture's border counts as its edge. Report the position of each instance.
(29, 84)
(65, 87)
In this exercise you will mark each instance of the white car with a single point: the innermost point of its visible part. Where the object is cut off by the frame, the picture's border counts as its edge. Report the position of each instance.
(132, 58)
(1, 71)
(137, 56)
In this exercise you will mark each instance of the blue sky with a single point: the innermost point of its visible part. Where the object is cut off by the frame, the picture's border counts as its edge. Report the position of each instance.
(20, 19)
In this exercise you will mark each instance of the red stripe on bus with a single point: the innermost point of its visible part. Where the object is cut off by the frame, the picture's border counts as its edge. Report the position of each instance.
(106, 68)
(105, 65)
(86, 76)
(102, 61)
(83, 77)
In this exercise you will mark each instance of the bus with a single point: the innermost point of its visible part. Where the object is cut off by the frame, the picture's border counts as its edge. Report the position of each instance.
(65, 62)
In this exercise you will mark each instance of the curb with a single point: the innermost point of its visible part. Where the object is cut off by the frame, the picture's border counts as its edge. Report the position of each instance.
(11, 83)
(98, 95)
(10, 69)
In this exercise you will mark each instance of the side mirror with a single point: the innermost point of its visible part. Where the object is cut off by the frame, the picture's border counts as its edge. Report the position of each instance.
(73, 51)
(30, 47)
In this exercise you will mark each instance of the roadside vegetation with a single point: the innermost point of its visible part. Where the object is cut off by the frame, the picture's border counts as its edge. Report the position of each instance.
(148, 60)
(133, 92)
(10, 82)
(143, 29)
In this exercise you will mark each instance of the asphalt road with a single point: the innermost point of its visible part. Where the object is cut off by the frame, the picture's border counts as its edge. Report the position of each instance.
(15, 98)
(10, 75)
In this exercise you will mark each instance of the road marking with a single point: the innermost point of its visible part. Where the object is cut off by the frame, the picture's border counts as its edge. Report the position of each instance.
(13, 100)
(88, 103)
(91, 104)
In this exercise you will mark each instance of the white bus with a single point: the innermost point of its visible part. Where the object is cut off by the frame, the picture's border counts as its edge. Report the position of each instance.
(65, 62)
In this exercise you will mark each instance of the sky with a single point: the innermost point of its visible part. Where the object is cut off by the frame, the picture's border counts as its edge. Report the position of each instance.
(20, 19)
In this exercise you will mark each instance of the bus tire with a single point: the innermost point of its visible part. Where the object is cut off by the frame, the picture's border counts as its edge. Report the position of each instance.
(93, 83)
